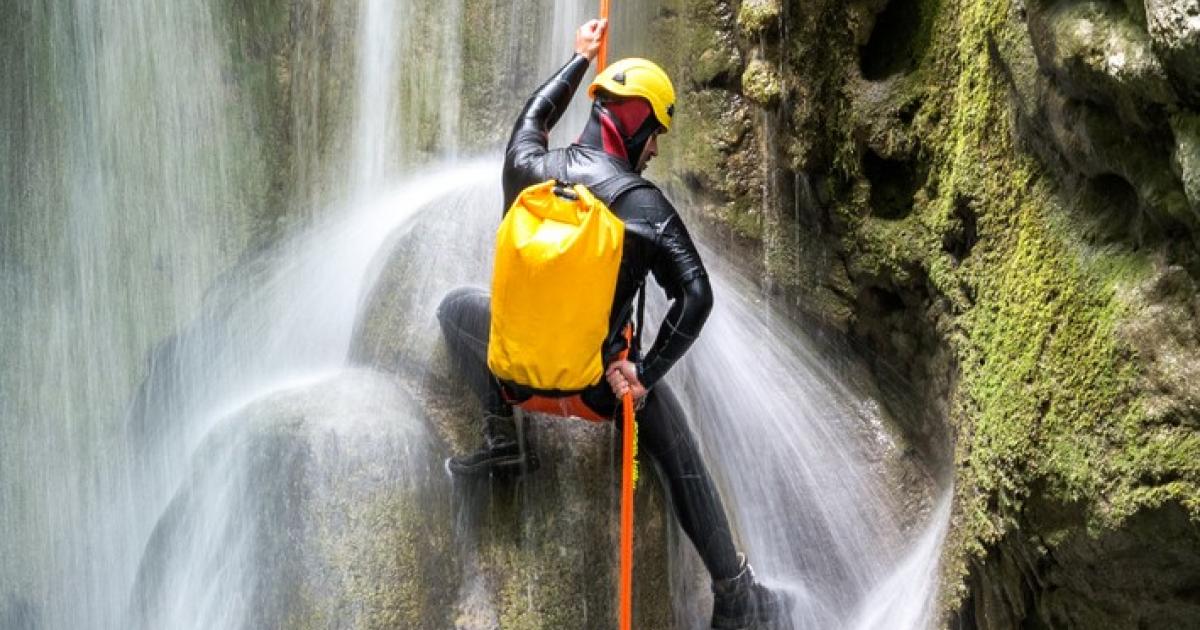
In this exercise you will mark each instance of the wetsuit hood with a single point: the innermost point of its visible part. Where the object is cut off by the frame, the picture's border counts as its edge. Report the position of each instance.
(621, 128)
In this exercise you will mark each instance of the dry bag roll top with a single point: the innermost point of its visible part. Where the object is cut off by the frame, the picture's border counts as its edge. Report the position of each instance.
(557, 259)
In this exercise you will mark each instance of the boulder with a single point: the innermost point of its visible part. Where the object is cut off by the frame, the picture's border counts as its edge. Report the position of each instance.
(542, 550)
(326, 504)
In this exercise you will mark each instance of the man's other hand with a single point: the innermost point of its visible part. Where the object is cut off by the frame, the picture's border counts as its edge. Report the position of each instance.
(622, 378)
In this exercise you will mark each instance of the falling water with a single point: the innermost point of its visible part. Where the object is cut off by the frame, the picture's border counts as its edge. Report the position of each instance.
(376, 67)
(123, 161)
(143, 338)
(287, 329)
(792, 443)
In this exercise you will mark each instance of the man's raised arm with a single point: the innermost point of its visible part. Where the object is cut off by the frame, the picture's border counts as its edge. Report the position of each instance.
(531, 134)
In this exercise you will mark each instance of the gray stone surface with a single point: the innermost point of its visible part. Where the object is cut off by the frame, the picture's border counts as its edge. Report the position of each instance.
(327, 506)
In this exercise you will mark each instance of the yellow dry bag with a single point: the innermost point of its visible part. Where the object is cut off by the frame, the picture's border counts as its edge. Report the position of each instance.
(557, 258)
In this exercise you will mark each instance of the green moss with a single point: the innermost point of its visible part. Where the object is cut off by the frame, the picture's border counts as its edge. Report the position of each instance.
(757, 15)
(761, 83)
(1048, 394)
(1047, 400)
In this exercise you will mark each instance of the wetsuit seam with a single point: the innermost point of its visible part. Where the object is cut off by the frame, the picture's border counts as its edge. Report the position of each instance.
(675, 330)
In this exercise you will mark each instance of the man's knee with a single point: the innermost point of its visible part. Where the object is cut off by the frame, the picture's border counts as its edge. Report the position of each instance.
(460, 304)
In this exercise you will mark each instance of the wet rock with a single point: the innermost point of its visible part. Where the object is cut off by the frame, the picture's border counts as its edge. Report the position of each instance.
(1104, 104)
(1095, 51)
(899, 37)
(1175, 35)
(1142, 576)
(311, 507)
(1186, 156)
(327, 506)
(756, 15)
(761, 83)
(1007, 208)
(1165, 330)
(1094, 142)
(702, 33)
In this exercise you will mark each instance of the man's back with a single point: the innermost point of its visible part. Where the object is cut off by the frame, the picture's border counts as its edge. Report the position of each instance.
(656, 240)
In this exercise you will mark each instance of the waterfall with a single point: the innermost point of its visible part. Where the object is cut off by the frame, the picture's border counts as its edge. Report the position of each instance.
(790, 440)
(141, 316)
(374, 132)
(122, 200)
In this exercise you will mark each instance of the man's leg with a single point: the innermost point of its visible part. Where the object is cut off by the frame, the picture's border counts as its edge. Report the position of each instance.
(465, 318)
(663, 434)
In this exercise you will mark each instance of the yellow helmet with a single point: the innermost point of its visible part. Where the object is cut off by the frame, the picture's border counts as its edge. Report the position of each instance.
(639, 77)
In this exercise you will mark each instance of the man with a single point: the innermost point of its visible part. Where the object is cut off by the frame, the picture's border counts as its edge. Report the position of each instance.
(633, 104)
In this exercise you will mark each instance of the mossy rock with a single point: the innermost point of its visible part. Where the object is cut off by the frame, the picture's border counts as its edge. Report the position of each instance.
(756, 16)
(1044, 341)
(761, 83)
(1175, 37)
(696, 45)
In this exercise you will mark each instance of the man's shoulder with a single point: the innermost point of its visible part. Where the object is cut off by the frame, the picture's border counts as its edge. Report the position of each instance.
(646, 200)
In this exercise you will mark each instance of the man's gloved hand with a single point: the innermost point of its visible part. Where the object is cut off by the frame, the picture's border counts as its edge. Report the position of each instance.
(588, 38)
(622, 377)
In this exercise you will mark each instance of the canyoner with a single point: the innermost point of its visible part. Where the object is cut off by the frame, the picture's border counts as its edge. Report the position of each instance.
(581, 231)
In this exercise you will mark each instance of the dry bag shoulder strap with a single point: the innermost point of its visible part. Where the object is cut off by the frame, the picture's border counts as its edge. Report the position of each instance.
(613, 188)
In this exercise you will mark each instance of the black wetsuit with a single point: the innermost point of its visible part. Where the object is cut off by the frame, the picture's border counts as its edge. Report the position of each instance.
(656, 243)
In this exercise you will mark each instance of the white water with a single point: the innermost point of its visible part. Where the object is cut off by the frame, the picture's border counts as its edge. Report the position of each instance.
(792, 444)
(119, 204)
(127, 203)
(288, 329)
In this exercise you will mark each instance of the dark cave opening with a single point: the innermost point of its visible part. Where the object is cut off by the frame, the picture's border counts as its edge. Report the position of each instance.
(963, 235)
(898, 40)
(894, 183)
(881, 301)
(1112, 210)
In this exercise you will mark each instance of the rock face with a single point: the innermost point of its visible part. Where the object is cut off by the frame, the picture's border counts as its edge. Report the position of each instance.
(327, 506)
(314, 507)
(1002, 198)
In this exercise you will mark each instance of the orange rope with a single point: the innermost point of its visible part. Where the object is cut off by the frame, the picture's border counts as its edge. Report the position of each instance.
(626, 588)
(627, 464)
(602, 57)
(627, 516)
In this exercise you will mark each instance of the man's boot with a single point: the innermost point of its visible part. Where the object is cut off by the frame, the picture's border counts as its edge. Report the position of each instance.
(740, 601)
(502, 452)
